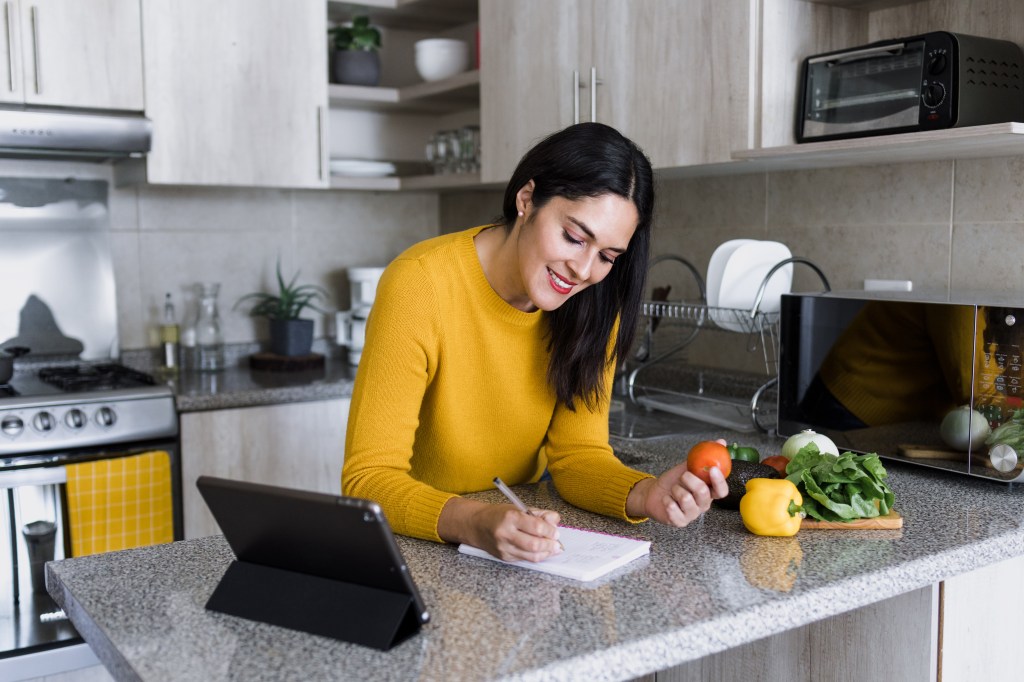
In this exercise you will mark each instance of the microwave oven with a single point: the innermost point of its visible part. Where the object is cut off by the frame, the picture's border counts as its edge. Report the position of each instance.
(927, 82)
(932, 381)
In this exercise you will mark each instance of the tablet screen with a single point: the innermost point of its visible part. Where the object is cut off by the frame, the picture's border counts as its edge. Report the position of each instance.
(342, 538)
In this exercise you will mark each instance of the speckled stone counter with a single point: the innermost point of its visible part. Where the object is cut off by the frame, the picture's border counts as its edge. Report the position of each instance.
(239, 386)
(705, 588)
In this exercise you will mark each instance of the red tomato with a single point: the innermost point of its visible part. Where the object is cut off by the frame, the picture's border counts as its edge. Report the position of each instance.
(777, 462)
(705, 455)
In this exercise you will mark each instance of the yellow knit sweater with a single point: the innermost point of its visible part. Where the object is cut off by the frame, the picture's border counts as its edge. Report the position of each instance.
(452, 391)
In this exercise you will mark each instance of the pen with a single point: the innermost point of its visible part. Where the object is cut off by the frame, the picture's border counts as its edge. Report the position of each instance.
(514, 499)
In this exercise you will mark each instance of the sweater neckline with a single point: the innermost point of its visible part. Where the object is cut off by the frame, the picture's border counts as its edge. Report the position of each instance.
(486, 294)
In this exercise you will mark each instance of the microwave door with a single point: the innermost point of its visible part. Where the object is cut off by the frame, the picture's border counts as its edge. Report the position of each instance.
(859, 92)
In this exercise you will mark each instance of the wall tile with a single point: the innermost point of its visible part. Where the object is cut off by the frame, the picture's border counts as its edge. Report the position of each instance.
(175, 262)
(989, 190)
(214, 209)
(849, 254)
(988, 257)
(915, 193)
(463, 210)
(124, 245)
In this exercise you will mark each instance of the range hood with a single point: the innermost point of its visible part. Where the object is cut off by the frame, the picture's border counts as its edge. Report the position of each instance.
(91, 136)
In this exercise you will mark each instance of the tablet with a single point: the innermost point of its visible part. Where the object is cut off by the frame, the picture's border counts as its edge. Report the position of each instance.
(345, 539)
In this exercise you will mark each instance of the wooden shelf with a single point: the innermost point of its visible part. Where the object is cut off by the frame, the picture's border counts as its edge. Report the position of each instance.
(999, 139)
(420, 15)
(867, 5)
(458, 93)
(453, 182)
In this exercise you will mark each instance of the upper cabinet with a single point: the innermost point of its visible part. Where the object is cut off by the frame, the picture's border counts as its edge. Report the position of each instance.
(673, 76)
(237, 92)
(72, 53)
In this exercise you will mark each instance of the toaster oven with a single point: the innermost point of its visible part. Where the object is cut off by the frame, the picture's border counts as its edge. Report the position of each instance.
(927, 82)
(933, 381)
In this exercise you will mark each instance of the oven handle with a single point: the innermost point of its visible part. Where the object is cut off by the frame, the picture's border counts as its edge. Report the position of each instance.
(25, 477)
(857, 55)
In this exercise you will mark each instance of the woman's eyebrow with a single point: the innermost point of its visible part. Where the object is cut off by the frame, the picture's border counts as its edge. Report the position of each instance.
(590, 234)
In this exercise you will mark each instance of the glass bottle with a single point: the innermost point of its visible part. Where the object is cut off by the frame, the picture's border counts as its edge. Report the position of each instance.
(169, 334)
(209, 340)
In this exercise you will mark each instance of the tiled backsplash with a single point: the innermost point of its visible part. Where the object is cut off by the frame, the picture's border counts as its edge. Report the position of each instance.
(943, 225)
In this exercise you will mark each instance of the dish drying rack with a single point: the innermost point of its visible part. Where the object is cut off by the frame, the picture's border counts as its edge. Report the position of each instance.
(760, 326)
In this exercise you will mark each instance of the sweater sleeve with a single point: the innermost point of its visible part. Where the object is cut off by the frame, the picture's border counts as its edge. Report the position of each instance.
(399, 357)
(583, 466)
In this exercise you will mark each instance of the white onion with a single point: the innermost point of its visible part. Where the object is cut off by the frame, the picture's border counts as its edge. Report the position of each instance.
(964, 428)
(797, 441)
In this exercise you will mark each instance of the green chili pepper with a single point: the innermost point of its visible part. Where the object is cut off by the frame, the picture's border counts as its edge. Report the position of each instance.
(745, 453)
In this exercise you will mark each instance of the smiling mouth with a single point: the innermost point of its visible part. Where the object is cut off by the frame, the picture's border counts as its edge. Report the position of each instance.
(559, 284)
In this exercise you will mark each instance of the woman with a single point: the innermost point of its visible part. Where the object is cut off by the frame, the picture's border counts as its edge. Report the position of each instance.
(491, 352)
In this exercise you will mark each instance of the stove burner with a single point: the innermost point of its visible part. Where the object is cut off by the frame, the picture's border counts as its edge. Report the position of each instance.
(7, 391)
(92, 377)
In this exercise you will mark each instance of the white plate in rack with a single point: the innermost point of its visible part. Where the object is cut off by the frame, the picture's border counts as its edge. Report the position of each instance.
(359, 168)
(716, 267)
(746, 268)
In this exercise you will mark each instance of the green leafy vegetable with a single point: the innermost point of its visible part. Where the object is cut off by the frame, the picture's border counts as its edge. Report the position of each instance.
(1010, 432)
(842, 488)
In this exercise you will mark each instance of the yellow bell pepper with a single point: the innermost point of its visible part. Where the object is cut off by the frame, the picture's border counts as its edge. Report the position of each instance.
(771, 506)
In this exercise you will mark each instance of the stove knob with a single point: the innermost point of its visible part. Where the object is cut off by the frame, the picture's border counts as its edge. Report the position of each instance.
(105, 416)
(75, 419)
(12, 425)
(44, 422)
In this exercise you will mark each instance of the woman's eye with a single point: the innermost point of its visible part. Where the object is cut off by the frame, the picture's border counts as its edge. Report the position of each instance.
(569, 238)
(606, 259)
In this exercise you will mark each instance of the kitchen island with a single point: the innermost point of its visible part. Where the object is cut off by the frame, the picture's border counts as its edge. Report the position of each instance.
(708, 588)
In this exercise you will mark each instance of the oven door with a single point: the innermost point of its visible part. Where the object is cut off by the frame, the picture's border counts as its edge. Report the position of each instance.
(868, 91)
(35, 527)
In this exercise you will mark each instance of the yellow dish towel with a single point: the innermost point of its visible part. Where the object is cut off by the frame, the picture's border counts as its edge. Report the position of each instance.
(120, 503)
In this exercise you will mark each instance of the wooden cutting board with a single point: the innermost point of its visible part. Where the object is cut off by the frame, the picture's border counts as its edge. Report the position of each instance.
(890, 521)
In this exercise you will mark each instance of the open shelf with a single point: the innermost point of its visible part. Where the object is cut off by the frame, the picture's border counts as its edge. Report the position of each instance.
(998, 139)
(868, 5)
(458, 93)
(453, 182)
(407, 14)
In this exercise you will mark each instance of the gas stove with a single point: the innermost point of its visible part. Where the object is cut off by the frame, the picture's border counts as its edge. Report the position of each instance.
(81, 405)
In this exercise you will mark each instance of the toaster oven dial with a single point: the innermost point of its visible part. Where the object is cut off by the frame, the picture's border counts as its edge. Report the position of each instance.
(12, 425)
(1003, 457)
(933, 94)
(937, 64)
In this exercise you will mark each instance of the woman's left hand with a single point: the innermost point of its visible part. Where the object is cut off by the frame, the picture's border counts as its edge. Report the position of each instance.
(677, 497)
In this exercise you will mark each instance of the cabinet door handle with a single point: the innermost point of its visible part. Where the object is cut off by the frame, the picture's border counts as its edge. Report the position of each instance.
(35, 49)
(575, 96)
(320, 142)
(10, 46)
(594, 82)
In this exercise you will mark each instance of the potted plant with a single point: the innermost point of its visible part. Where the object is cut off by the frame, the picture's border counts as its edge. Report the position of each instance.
(355, 60)
(289, 335)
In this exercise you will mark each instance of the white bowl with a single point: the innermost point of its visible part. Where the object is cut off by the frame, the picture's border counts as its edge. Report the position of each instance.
(440, 58)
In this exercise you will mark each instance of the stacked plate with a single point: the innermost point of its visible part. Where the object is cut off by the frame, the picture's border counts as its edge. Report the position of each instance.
(735, 273)
(358, 168)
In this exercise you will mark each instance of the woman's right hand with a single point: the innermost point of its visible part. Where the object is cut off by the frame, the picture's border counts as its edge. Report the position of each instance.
(501, 529)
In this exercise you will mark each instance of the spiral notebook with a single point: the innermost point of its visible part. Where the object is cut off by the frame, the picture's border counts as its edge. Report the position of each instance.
(588, 555)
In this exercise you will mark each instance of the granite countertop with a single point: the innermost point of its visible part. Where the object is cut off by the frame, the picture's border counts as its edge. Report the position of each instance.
(705, 588)
(240, 386)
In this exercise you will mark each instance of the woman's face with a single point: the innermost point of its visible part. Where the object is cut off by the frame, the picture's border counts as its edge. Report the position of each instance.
(568, 245)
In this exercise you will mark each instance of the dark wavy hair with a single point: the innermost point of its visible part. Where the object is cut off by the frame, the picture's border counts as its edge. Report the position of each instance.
(590, 160)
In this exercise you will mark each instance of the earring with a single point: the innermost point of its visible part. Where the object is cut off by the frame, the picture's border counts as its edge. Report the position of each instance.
(520, 214)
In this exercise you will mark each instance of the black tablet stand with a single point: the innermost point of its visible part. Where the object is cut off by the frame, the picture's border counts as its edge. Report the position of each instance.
(352, 613)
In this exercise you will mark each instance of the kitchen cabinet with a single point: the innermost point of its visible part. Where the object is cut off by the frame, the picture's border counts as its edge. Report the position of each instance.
(294, 445)
(673, 76)
(237, 92)
(72, 53)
